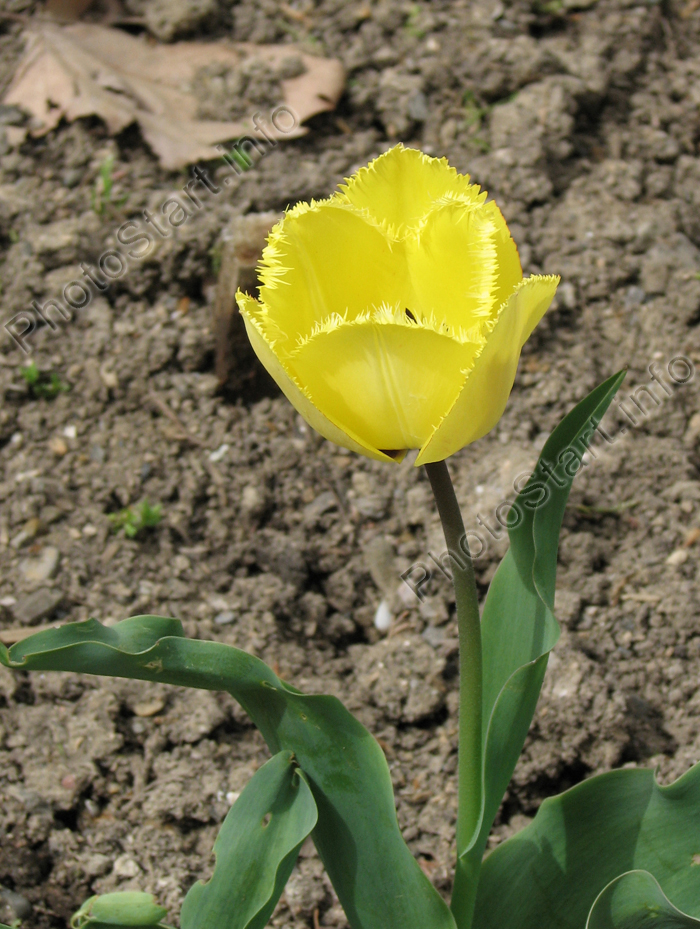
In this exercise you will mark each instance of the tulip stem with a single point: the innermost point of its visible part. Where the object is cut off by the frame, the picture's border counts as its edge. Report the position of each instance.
(469, 791)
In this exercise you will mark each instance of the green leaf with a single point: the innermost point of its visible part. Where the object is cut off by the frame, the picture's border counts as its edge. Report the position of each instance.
(566, 863)
(377, 879)
(635, 901)
(255, 850)
(518, 627)
(129, 908)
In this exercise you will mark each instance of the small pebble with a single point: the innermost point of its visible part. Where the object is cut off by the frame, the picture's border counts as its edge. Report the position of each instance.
(252, 501)
(109, 379)
(692, 536)
(383, 617)
(41, 569)
(321, 504)
(96, 865)
(72, 177)
(434, 635)
(677, 558)
(58, 446)
(20, 906)
(634, 296)
(125, 866)
(224, 618)
(150, 708)
(23, 476)
(218, 453)
(434, 610)
(36, 606)
(29, 531)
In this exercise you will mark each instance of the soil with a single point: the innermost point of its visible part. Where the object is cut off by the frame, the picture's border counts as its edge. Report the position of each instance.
(582, 119)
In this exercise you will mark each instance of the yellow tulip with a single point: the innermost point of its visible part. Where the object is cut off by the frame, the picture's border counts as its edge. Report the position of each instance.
(392, 314)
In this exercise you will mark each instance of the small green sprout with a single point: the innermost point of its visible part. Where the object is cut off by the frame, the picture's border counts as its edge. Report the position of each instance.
(586, 510)
(215, 258)
(242, 160)
(102, 197)
(549, 7)
(473, 112)
(43, 384)
(480, 144)
(133, 521)
(412, 24)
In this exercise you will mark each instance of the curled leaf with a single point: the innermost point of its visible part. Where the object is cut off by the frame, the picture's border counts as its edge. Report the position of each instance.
(90, 70)
(255, 850)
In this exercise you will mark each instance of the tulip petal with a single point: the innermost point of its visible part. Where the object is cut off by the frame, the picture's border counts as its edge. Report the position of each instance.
(326, 259)
(486, 388)
(293, 391)
(510, 272)
(453, 265)
(463, 264)
(397, 189)
(387, 381)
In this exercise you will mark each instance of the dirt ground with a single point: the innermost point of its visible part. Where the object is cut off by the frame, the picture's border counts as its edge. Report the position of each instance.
(582, 119)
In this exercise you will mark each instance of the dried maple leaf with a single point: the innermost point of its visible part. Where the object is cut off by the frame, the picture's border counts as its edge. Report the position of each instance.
(66, 10)
(89, 70)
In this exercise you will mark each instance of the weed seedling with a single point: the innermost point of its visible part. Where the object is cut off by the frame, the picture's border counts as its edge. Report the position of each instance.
(42, 383)
(133, 521)
(103, 194)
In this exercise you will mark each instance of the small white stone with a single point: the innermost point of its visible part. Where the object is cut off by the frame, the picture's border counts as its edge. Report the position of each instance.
(383, 617)
(232, 796)
(218, 453)
(23, 476)
(408, 596)
(125, 866)
(96, 865)
(70, 432)
(41, 569)
(109, 378)
(252, 500)
(224, 617)
(679, 557)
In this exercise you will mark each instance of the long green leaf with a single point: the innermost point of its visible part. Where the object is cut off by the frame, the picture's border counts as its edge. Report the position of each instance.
(255, 850)
(560, 868)
(377, 879)
(518, 626)
(635, 901)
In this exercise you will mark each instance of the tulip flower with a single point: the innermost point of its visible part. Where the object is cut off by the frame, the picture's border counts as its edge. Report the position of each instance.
(392, 314)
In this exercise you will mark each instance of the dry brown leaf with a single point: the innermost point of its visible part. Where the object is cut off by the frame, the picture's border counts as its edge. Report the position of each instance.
(89, 70)
(67, 10)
